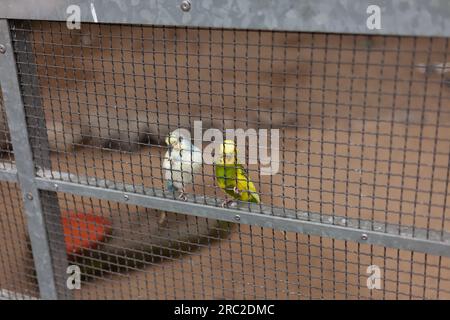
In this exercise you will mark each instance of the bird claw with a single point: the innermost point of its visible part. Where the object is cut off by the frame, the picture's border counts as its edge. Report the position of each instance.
(182, 196)
(236, 190)
(229, 203)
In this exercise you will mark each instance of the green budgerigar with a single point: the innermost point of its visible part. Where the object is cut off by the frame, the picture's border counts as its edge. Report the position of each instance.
(231, 176)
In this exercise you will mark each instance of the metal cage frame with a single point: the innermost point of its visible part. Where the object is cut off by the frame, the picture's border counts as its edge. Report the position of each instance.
(418, 17)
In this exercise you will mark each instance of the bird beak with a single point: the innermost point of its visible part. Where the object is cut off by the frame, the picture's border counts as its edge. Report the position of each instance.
(229, 159)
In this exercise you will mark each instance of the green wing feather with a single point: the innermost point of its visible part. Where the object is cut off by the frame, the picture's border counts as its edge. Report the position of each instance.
(231, 176)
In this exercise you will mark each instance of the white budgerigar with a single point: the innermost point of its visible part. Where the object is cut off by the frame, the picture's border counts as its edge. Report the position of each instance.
(181, 162)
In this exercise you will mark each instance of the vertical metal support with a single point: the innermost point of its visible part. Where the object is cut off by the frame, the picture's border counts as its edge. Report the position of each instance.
(41, 207)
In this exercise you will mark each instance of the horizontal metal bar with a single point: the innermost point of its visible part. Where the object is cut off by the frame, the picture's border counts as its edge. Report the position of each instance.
(9, 175)
(412, 17)
(363, 231)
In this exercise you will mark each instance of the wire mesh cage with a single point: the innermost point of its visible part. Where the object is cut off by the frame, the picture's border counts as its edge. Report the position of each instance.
(17, 274)
(232, 261)
(5, 141)
(377, 154)
(352, 169)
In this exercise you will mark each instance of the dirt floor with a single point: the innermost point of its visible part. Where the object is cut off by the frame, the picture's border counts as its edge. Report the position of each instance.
(364, 134)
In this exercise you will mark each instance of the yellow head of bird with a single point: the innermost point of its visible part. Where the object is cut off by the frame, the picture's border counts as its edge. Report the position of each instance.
(227, 152)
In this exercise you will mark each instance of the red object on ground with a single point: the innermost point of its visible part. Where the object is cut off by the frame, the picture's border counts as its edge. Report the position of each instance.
(83, 230)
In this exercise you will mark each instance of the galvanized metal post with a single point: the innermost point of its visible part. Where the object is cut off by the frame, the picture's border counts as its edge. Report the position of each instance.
(41, 207)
